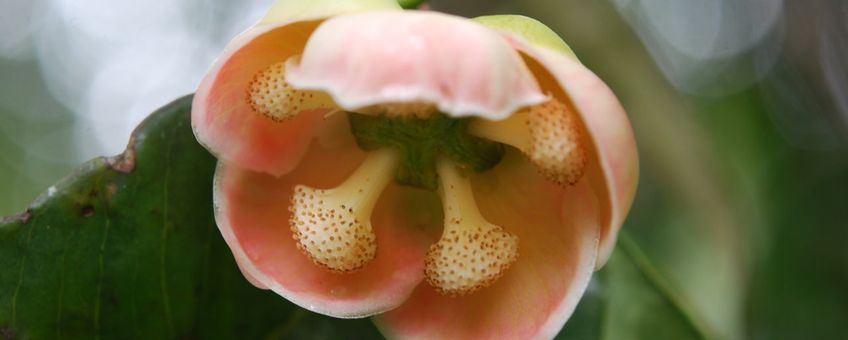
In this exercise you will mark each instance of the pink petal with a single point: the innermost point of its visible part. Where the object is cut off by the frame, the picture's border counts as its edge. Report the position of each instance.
(228, 126)
(250, 278)
(614, 173)
(252, 214)
(558, 233)
(401, 56)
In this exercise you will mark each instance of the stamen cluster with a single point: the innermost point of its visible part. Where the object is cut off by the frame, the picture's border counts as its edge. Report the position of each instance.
(414, 145)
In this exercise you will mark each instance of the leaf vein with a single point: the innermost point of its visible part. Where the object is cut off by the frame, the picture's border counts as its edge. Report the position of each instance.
(61, 287)
(100, 274)
(163, 283)
(643, 263)
(20, 279)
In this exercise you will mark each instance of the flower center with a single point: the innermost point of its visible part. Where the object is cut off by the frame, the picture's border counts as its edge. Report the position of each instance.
(415, 145)
(421, 141)
(333, 226)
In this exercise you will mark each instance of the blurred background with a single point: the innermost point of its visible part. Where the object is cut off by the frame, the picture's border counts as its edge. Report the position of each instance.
(740, 110)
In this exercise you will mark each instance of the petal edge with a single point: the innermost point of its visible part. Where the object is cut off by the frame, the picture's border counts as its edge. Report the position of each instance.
(411, 56)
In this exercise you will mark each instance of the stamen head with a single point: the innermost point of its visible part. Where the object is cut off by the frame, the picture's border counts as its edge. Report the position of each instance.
(468, 258)
(556, 144)
(269, 94)
(329, 232)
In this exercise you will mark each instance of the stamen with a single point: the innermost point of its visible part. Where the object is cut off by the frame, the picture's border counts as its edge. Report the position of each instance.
(333, 226)
(472, 253)
(269, 94)
(547, 133)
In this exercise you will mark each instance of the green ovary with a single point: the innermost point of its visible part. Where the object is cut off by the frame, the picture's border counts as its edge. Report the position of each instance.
(422, 141)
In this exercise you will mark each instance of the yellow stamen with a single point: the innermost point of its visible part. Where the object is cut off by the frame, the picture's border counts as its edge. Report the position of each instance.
(548, 133)
(269, 94)
(472, 252)
(333, 226)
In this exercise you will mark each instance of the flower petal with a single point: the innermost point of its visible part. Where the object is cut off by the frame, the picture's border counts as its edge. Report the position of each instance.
(224, 122)
(299, 10)
(613, 170)
(558, 232)
(408, 56)
(251, 212)
(231, 129)
(243, 269)
(528, 28)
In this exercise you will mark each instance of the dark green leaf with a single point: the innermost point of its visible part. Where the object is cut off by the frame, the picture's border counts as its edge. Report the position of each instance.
(127, 248)
(627, 300)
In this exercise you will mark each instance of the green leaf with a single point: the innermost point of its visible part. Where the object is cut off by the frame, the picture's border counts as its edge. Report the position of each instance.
(127, 247)
(798, 290)
(630, 300)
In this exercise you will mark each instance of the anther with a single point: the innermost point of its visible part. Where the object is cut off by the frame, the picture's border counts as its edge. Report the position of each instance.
(269, 94)
(548, 133)
(333, 226)
(472, 253)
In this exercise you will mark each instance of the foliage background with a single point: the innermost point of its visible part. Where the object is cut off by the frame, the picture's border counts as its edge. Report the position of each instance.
(740, 111)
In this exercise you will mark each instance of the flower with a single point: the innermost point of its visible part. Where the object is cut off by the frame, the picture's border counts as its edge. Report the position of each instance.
(455, 178)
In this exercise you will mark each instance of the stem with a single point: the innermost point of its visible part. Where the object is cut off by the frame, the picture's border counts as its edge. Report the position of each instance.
(411, 4)
(652, 274)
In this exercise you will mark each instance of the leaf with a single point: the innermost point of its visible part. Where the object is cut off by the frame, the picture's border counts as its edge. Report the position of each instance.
(798, 290)
(629, 299)
(127, 247)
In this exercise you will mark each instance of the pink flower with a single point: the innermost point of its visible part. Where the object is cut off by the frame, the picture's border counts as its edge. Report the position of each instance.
(456, 178)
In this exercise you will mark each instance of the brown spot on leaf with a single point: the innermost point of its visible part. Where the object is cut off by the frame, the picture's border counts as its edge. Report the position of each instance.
(23, 217)
(111, 189)
(87, 210)
(125, 162)
(6, 333)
